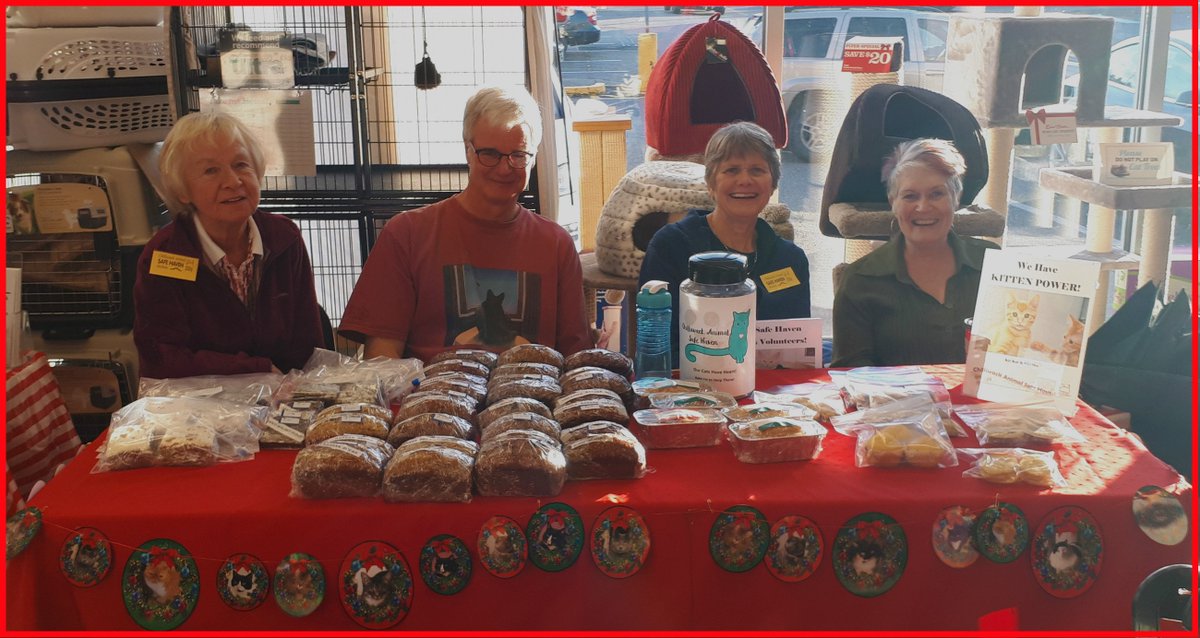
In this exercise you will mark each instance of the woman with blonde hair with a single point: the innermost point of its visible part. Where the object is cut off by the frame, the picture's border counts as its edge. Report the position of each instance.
(225, 288)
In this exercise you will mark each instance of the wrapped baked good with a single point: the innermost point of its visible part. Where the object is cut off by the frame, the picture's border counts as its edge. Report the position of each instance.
(338, 423)
(908, 432)
(476, 391)
(511, 406)
(465, 366)
(679, 427)
(527, 367)
(1018, 425)
(345, 466)
(195, 432)
(569, 435)
(504, 377)
(872, 387)
(316, 391)
(520, 463)
(430, 468)
(485, 357)
(542, 389)
(1013, 465)
(573, 413)
(707, 400)
(776, 439)
(461, 377)
(521, 421)
(372, 409)
(459, 405)
(592, 377)
(658, 385)
(534, 352)
(430, 425)
(255, 388)
(605, 454)
(601, 358)
(823, 398)
(587, 395)
(755, 411)
(284, 432)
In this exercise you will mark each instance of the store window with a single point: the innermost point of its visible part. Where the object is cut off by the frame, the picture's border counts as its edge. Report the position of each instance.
(880, 28)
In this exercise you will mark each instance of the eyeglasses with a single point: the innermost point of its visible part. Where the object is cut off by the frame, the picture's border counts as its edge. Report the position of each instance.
(491, 157)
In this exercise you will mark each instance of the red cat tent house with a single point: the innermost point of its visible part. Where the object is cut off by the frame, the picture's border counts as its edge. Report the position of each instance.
(711, 76)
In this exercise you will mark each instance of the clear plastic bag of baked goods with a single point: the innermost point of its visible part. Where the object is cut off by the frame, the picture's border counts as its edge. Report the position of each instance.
(1013, 465)
(1018, 425)
(520, 463)
(184, 431)
(346, 382)
(906, 432)
(255, 388)
(430, 468)
(824, 399)
(344, 466)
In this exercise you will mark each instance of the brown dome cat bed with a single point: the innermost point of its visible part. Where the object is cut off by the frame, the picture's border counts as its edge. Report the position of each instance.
(854, 203)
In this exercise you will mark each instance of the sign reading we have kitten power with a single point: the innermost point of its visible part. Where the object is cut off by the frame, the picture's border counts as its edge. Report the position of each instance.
(1030, 329)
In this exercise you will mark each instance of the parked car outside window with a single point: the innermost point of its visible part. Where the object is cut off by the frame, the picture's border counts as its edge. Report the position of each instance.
(576, 26)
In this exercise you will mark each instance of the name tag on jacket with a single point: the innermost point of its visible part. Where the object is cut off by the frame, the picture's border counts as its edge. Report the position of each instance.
(781, 279)
(166, 264)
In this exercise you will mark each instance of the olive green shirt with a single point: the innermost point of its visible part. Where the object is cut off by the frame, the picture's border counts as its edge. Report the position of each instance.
(880, 317)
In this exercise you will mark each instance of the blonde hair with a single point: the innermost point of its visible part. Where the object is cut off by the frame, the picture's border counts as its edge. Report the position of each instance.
(934, 154)
(212, 128)
(507, 107)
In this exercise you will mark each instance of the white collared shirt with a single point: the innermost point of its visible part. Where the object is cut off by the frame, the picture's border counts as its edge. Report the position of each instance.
(214, 254)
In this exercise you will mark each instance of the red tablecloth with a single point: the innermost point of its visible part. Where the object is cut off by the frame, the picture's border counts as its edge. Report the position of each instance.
(243, 507)
(40, 434)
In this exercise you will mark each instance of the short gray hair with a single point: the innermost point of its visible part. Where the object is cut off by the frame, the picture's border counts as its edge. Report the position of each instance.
(213, 128)
(503, 106)
(934, 154)
(740, 138)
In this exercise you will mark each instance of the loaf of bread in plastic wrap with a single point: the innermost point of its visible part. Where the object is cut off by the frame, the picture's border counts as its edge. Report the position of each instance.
(520, 463)
(346, 466)
(603, 450)
(601, 358)
(521, 421)
(511, 406)
(534, 352)
(430, 425)
(431, 468)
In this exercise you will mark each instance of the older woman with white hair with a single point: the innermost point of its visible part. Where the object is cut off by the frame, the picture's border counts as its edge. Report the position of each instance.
(225, 288)
(905, 302)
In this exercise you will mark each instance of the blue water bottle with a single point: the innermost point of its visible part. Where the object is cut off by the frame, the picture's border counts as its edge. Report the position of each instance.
(653, 356)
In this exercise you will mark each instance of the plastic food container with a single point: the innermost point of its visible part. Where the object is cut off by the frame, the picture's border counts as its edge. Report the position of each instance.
(698, 400)
(776, 439)
(679, 427)
(754, 411)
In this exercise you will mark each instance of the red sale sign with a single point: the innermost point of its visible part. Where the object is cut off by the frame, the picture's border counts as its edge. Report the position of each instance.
(864, 54)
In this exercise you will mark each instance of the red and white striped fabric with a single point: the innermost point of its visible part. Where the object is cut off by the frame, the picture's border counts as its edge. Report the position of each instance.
(14, 501)
(40, 432)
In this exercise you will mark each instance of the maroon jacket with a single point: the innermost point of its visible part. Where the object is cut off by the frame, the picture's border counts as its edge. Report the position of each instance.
(185, 328)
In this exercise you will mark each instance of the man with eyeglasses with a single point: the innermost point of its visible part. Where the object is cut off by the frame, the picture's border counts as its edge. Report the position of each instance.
(478, 269)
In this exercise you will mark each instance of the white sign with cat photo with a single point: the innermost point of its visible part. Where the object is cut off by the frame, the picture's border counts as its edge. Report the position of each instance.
(1030, 329)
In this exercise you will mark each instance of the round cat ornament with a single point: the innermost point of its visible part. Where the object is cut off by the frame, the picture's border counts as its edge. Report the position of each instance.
(86, 557)
(738, 538)
(375, 587)
(503, 549)
(445, 564)
(953, 537)
(299, 584)
(555, 534)
(160, 584)
(795, 550)
(1001, 532)
(870, 553)
(620, 542)
(242, 582)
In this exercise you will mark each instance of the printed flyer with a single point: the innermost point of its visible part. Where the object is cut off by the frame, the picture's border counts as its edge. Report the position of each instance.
(1030, 329)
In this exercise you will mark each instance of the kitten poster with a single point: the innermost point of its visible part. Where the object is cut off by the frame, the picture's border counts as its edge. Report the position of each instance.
(1030, 329)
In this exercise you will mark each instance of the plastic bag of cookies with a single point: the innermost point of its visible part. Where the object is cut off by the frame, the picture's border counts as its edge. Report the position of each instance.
(1013, 465)
(907, 432)
(1018, 425)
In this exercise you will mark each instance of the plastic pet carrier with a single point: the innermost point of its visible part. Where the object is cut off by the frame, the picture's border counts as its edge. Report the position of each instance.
(101, 16)
(77, 223)
(71, 88)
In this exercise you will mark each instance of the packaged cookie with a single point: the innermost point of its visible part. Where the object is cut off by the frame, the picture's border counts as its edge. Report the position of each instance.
(601, 358)
(430, 425)
(520, 421)
(430, 469)
(465, 366)
(345, 466)
(339, 423)
(511, 406)
(542, 389)
(1018, 425)
(197, 432)
(605, 455)
(485, 357)
(898, 433)
(520, 463)
(776, 439)
(1013, 465)
(535, 352)
(679, 427)
(825, 399)
(527, 367)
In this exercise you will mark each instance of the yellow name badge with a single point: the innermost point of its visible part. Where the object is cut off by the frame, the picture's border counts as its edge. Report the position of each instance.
(781, 279)
(174, 266)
